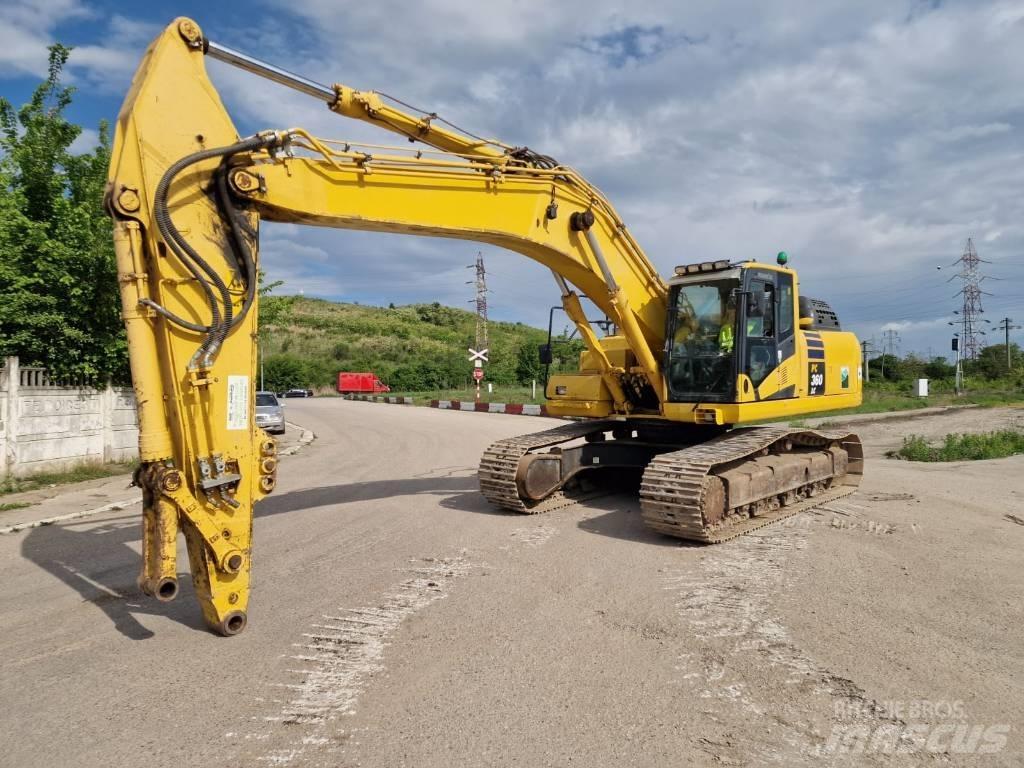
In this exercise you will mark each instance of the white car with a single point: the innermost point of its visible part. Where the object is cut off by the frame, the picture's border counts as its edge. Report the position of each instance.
(269, 413)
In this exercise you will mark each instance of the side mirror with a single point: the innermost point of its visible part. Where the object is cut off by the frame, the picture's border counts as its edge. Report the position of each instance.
(544, 352)
(806, 322)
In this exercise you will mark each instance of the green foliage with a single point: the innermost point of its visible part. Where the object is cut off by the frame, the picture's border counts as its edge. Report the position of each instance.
(416, 347)
(59, 304)
(939, 368)
(991, 362)
(963, 447)
(528, 365)
(281, 372)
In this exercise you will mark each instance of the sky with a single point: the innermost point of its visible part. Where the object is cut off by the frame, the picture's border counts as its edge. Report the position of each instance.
(868, 140)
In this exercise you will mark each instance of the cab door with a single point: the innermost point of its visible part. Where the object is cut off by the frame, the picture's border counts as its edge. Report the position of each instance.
(760, 350)
(785, 331)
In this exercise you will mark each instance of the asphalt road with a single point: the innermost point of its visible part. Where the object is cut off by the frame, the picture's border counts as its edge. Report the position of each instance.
(398, 620)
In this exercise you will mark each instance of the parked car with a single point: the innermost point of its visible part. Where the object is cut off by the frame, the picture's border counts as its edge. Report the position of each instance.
(269, 413)
(299, 393)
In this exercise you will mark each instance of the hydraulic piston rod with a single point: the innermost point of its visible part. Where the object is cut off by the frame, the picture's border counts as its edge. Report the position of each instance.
(269, 71)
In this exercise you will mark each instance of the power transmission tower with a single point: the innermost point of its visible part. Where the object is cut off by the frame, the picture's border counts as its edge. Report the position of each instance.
(889, 341)
(481, 300)
(971, 309)
(1007, 327)
(478, 355)
(892, 338)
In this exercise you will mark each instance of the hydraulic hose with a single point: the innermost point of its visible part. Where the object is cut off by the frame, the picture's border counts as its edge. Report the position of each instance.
(220, 323)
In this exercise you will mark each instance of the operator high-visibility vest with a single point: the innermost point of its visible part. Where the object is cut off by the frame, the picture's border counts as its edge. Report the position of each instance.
(725, 338)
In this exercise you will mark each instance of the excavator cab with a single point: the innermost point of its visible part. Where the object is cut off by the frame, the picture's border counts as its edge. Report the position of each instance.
(701, 360)
(729, 327)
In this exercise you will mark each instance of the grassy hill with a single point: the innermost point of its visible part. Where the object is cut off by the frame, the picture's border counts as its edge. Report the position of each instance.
(414, 347)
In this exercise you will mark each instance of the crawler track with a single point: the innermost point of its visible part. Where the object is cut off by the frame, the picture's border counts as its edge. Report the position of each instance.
(675, 487)
(499, 464)
(689, 493)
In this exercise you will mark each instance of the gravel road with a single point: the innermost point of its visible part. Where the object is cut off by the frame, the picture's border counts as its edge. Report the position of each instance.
(398, 620)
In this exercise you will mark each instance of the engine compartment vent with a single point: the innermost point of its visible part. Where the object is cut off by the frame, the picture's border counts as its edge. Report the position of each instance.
(821, 314)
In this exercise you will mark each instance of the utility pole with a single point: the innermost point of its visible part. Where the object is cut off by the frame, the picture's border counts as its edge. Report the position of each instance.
(1007, 327)
(866, 347)
(478, 355)
(958, 381)
(971, 309)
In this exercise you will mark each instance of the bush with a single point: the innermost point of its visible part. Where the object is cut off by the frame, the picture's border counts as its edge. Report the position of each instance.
(963, 447)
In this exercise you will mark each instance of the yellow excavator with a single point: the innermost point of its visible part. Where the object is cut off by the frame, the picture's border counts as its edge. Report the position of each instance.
(716, 345)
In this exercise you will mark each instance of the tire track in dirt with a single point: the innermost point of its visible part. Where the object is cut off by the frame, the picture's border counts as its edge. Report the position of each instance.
(337, 657)
(763, 696)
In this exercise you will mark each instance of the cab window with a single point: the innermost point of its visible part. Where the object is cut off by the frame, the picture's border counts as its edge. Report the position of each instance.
(785, 305)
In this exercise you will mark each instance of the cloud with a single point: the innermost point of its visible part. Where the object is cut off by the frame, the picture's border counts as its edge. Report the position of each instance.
(26, 28)
(868, 140)
(87, 141)
(863, 138)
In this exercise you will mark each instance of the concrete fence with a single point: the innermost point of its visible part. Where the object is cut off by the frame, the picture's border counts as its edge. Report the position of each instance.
(51, 426)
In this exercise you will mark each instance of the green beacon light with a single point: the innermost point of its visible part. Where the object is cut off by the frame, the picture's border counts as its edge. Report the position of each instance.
(782, 258)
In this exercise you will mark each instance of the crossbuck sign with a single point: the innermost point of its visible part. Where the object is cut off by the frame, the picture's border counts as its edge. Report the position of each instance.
(479, 357)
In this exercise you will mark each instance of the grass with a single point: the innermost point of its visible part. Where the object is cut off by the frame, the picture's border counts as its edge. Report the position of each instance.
(39, 480)
(887, 401)
(14, 505)
(963, 447)
(876, 400)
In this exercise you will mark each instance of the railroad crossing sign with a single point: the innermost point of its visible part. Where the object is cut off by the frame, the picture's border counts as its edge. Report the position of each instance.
(478, 373)
(478, 357)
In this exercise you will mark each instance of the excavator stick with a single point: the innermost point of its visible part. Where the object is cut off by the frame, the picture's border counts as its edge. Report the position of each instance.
(190, 319)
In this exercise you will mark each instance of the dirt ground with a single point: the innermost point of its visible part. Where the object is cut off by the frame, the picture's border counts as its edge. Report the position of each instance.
(398, 620)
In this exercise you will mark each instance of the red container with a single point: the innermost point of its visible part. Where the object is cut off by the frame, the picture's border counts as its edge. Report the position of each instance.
(363, 383)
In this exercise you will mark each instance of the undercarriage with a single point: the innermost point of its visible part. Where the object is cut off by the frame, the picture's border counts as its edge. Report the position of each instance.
(697, 483)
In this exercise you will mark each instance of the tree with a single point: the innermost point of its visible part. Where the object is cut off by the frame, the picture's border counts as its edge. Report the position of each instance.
(528, 365)
(939, 368)
(888, 366)
(282, 372)
(991, 361)
(59, 304)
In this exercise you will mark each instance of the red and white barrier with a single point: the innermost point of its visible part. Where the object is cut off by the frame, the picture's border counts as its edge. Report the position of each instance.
(379, 399)
(516, 409)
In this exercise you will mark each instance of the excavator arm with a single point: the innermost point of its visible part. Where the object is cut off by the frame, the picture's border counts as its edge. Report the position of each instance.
(187, 196)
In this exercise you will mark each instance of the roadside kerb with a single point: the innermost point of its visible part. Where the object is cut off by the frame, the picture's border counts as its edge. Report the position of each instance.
(375, 399)
(515, 409)
(306, 437)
